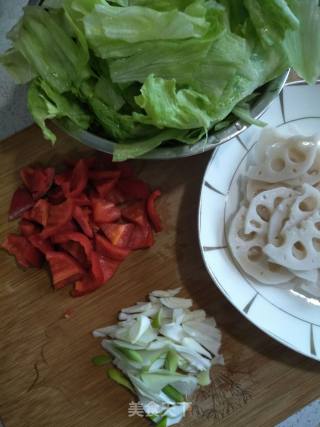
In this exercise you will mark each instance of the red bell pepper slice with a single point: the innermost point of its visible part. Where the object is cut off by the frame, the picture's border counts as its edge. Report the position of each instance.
(39, 213)
(135, 212)
(85, 286)
(151, 210)
(75, 237)
(38, 181)
(38, 242)
(104, 188)
(69, 227)
(82, 216)
(59, 215)
(133, 189)
(64, 269)
(81, 200)
(63, 181)
(141, 237)
(104, 211)
(96, 268)
(56, 196)
(118, 234)
(109, 267)
(79, 179)
(26, 255)
(101, 175)
(28, 228)
(107, 249)
(115, 196)
(76, 251)
(21, 201)
(89, 161)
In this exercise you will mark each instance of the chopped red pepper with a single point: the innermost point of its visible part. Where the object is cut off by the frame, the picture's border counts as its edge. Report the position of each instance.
(133, 189)
(63, 181)
(21, 201)
(89, 161)
(104, 211)
(75, 237)
(118, 234)
(104, 187)
(93, 195)
(152, 213)
(115, 196)
(38, 181)
(141, 237)
(96, 268)
(64, 269)
(81, 200)
(68, 313)
(56, 196)
(136, 213)
(76, 251)
(107, 249)
(70, 226)
(59, 215)
(82, 216)
(39, 213)
(28, 228)
(101, 175)
(26, 255)
(38, 242)
(85, 286)
(79, 179)
(109, 267)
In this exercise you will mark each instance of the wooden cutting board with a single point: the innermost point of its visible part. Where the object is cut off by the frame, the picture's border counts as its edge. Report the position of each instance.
(46, 377)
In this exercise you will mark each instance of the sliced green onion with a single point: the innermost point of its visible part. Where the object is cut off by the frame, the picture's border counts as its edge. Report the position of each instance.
(204, 378)
(171, 361)
(156, 321)
(131, 354)
(173, 393)
(119, 378)
(162, 422)
(102, 359)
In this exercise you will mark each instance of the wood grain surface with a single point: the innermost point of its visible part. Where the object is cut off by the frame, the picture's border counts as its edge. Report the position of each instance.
(46, 377)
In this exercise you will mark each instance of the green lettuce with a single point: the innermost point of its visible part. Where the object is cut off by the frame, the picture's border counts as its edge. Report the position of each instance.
(303, 46)
(45, 103)
(167, 107)
(153, 72)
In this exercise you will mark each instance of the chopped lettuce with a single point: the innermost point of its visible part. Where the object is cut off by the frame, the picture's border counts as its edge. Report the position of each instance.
(303, 46)
(167, 107)
(148, 72)
(45, 103)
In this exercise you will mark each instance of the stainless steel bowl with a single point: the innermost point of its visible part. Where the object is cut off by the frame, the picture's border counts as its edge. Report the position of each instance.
(270, 92)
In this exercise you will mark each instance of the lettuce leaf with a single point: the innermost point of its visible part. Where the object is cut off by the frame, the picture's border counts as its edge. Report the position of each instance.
(166, 106)
(16, 65)
(134, 24)
(147, 72)
(50, 50)
(45, 103)
(303, 46)
(133, 149)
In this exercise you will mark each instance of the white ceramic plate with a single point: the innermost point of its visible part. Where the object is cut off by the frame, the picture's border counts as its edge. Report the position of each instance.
(291, 317)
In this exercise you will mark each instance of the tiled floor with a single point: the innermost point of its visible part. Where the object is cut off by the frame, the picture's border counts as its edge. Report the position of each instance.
(13, 111)
(309, 416)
